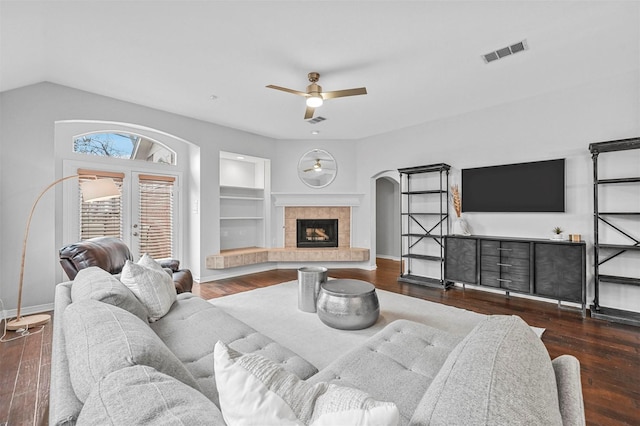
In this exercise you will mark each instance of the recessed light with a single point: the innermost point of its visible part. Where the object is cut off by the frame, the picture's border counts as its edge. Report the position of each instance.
(240, 157)
(315, 132)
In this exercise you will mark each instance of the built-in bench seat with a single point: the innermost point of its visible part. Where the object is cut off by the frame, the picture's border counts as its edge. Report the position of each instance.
(252, 255)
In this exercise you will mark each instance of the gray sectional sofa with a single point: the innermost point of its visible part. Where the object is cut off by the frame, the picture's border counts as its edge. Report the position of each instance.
(111, 366)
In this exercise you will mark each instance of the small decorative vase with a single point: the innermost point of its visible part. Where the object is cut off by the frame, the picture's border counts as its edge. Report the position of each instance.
(461, 227)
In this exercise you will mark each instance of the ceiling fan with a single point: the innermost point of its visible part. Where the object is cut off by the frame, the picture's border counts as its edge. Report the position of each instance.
(315, 96)
(316, 167)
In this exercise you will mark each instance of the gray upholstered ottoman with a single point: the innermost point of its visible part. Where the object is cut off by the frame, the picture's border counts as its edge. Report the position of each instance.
(348, 304)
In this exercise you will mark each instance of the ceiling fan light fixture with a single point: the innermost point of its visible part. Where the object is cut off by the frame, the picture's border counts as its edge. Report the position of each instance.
(314, 101)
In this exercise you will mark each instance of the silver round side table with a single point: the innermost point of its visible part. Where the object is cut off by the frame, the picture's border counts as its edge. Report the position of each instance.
(348, 304)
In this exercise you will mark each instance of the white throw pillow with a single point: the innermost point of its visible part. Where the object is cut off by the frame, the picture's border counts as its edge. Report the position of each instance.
(151, 285)
(149, 262)
(254, 390)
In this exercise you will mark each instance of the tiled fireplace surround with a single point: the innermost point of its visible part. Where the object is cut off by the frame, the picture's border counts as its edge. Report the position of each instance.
(343, 253)
(290, 253)
(292, 214)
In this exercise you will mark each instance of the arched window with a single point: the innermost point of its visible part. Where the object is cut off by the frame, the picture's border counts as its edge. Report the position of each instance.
(123, 146)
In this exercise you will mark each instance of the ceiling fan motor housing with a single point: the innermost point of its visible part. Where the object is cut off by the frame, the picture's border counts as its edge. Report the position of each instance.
(314, 90)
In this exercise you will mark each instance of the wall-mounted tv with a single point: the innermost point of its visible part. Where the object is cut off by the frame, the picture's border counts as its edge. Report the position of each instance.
(524, 187)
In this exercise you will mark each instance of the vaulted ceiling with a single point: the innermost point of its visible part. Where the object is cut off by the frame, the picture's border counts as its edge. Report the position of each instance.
(419, 60)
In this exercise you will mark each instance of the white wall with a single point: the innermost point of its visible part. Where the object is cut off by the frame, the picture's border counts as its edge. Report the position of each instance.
(284, 166)
(28, 164)
(555, 125)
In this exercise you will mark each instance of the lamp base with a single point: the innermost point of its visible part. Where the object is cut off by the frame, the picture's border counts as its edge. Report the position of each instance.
(29, 321)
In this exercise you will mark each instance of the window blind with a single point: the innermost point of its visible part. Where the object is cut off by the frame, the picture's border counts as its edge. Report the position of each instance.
(156, 215)
(100, 218)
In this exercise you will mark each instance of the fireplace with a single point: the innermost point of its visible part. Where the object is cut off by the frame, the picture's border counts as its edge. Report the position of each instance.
(317, 232)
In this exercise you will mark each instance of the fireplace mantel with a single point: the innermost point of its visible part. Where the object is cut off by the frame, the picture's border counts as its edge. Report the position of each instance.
(288, 199)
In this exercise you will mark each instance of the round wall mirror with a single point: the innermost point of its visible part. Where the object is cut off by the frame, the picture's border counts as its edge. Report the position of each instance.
(317, 168)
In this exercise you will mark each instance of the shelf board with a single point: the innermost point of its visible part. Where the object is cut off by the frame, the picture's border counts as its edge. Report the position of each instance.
(619, 246)
(620, 213)
(254, 188)
(618, 180)
(238, 197)
(619, 280)
(616, 315)
(424, 169)
(423, 214)
(422, 257)
(618, 145)
(429, 191)
(242, 218)
(424, 281)
(423, 235)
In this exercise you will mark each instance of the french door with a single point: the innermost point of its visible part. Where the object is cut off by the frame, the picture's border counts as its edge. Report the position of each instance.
(153, 226)
(144, 217)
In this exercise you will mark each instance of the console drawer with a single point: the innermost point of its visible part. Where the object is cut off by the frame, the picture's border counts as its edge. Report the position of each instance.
(505, 249)
(509, 281)
(504, 265)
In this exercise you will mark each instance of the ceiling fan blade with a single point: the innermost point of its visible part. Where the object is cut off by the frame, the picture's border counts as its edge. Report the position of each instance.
(309, 113)
(284, 89)
(343, 93)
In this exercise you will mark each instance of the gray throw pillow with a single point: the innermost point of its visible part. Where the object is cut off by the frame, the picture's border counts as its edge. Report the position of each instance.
(102, 338)
(97, 284)
(141, 395)
(500, 374)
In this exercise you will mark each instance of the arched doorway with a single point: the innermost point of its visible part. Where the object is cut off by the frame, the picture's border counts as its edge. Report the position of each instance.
(385, 229)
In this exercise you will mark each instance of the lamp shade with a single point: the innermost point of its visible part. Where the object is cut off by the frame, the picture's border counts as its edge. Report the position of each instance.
(314, 101)
(98, 189)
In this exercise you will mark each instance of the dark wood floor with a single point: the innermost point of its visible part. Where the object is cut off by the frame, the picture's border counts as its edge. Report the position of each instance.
(609, 353)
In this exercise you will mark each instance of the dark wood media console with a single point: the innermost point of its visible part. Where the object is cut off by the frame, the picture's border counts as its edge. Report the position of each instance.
(538, 267)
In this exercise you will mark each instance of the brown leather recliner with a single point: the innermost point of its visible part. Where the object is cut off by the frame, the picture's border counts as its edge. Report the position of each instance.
(111, 254)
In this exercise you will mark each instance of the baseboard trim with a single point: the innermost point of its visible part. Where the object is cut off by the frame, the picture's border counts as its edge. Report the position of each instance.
(388, 257)
(28, 310)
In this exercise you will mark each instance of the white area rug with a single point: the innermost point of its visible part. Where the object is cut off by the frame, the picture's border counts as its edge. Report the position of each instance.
(273, 311)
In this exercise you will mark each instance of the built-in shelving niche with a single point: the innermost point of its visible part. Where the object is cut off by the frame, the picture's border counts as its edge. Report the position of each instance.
(244, 204)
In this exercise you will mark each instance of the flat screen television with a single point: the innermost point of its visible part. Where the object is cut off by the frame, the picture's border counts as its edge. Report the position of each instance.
(524, 187)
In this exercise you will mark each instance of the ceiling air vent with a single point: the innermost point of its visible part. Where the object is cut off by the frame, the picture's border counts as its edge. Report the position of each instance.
(505, 51)
(316, 120)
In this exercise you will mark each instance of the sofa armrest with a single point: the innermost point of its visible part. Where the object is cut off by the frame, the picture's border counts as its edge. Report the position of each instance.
(567, 369)
(183, 280)
(172, 264)
(64, 405)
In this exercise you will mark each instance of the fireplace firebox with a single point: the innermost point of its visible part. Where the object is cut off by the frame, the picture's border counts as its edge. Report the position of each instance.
(317, 232)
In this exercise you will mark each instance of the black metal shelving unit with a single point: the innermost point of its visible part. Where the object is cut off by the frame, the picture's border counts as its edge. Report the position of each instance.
(424, 223)
(604, 252)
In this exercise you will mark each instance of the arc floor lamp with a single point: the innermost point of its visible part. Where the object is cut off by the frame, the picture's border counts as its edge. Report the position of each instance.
(92, 190)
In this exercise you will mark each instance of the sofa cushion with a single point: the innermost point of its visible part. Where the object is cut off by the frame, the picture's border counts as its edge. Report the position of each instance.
(192, 327)
(500, 373)
(101, 338)
(151, 285)
(254, 390)
(97, 284)
(405, 357)
(142, 395)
